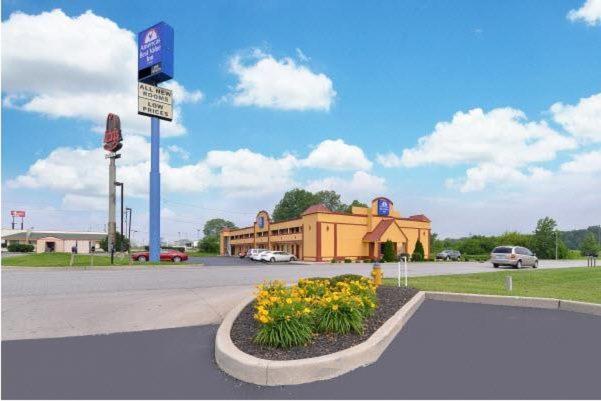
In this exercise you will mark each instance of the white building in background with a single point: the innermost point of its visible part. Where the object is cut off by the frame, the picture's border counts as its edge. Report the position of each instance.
(54, 241)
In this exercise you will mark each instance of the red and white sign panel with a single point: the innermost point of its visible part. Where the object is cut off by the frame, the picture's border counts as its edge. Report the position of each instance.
(17, 213)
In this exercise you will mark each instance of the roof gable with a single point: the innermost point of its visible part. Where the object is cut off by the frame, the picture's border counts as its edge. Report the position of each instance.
(377, 232)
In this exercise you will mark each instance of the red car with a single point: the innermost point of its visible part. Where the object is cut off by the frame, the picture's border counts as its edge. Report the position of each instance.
(170, 255)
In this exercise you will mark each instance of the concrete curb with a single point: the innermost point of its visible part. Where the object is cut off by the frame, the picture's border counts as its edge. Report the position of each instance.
(580, 307)
(525, 302)
(276, 373)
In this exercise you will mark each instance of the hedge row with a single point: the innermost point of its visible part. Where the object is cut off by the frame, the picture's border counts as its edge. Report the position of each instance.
(20, 248)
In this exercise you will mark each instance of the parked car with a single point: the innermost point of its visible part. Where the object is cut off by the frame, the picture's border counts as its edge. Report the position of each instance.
(171, 255)
(449, 254)
(253, 253)
(516, 256)
(276, 256)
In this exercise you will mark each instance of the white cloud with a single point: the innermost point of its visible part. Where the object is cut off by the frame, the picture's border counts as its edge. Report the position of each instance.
(590, 13)
(77, 67)
(582, 120)
(498, 144)
(337, 155)
(83, 202)
(360, 186)
(282, 84)
(501, 135)
(82, 173)
(389, 160)
(178, 150)
(589, 162)
(501, 176)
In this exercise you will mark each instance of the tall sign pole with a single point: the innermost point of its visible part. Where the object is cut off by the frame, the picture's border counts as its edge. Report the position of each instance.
(112, 144)
(155, 191)
(112, 225)
(155, 65)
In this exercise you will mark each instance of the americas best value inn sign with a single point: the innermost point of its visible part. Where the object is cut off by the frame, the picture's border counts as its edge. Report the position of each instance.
(155, 54)
(155, 65)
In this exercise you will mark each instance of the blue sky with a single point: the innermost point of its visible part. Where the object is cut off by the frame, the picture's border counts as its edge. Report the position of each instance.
(505, 96)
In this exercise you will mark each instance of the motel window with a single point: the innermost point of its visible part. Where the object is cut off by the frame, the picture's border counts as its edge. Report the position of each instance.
(274, 232)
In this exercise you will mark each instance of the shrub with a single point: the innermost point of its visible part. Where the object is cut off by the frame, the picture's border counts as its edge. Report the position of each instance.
(388, 252)
(333, 260)
(347, 261)
(339, 315)
(418, 252)
(476, 258)
(20, 248)
(345, 277)
(345, 306)
(285, 320)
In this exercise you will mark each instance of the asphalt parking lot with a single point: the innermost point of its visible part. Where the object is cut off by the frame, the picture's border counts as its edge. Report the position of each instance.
(446, 351)
(229, 261)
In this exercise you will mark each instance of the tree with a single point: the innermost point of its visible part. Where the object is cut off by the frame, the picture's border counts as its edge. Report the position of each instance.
(214, 226)
(119, 239)
(293, 204)
(355, 203)
(388, 252)
(418, 252)
(209, 244)
(543, 240)
(331, 200)
(589, 246)
(517, 239)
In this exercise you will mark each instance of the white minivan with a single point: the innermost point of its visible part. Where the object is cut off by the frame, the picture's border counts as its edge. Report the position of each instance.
(516, 256)
(253, 253)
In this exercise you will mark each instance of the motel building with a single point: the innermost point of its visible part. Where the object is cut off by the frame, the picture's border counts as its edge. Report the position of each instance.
(320, 234)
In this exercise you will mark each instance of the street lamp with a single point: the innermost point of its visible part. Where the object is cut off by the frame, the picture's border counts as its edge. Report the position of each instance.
(120, 184)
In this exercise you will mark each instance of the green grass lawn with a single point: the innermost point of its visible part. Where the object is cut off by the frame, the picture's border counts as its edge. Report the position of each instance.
(578, 284)
(62, 259)
(201, 254)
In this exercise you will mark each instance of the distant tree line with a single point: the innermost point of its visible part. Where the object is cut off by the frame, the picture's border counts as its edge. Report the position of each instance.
(542, 241)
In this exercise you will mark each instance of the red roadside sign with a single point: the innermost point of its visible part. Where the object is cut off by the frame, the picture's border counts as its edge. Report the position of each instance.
(17, 213)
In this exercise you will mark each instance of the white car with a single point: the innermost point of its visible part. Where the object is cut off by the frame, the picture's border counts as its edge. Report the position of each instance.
(253, 253)
(276, 256)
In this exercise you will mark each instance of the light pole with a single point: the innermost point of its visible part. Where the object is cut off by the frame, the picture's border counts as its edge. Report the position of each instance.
(120, 184)
(128, 211)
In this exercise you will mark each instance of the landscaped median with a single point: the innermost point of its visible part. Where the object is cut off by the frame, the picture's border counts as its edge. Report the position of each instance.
(321, 329)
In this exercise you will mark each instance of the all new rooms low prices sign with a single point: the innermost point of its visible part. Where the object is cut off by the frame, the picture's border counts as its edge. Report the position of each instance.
(154, 101)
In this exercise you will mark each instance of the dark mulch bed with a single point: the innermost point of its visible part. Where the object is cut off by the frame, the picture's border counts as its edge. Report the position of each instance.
(391, 299)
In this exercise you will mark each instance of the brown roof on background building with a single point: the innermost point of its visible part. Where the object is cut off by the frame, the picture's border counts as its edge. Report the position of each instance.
(317, 208)
(377, 232)
(420, 217)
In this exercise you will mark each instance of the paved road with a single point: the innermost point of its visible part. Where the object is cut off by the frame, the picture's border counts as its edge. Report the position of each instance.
(51, 281)
(446, 351)
(42, 303)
